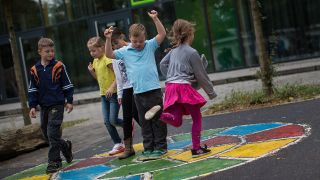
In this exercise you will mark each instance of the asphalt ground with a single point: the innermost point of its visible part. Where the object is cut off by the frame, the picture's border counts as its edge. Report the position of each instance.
(299, 161)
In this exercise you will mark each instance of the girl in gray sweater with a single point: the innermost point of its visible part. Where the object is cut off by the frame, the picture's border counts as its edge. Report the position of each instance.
(182, 66)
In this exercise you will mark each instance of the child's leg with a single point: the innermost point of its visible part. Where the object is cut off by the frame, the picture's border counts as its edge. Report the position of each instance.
(55, 118)
(44, 122)
(173, 115)
(114, 111)
(105, 104)
(196, 125)
(127, 113)
(135, 111)
(154, 132)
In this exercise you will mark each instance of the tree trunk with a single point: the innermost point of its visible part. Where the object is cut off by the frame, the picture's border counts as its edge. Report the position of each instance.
(266, 70)
(18, 141)
(7, 5)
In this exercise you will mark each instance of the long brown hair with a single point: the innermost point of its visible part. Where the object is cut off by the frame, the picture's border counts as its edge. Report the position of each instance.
(180, 32)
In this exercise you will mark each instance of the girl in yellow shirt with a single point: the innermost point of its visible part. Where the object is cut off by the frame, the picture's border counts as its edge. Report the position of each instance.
(101, 70)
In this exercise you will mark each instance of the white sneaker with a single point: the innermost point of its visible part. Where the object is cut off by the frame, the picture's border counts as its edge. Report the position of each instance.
(117, 148)
(152, 112)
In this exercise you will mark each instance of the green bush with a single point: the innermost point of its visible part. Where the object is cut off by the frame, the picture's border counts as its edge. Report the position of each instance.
(286, 93)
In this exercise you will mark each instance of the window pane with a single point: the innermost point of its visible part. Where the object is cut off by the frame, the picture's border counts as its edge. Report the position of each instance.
(224, 31)
(192, 11)
(70, 47)
(294, 27)
(80, 8)
(105, 6)
(53, 11)
(8, 79)
(3, 27)
(26, 14)
(246, 33)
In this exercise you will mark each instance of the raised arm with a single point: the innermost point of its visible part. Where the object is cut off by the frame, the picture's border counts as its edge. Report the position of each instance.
(159, 26)
(108, 46)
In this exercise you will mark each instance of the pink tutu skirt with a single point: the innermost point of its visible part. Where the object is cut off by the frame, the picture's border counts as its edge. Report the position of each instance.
(182, 94)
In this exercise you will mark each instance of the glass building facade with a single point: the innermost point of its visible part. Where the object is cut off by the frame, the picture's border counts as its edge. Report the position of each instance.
(224, 32)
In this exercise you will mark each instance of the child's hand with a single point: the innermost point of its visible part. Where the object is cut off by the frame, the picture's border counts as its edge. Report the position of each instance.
(119, 101)
(109, 93)
(153, 14)
(90, 67)
(32, 113)
(69, 107)
(108, 32)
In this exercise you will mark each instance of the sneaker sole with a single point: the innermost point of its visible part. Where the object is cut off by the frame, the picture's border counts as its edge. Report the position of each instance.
(152, 112)
(195, 156)
(147, 158)
(112, 154)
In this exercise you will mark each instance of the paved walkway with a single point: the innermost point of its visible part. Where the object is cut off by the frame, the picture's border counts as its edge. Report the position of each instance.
(88, 106)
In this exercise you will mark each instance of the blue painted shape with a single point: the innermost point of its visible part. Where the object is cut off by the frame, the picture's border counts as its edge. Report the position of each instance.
(249, 129)
(179, 144)
(87, 173)
(138, 177)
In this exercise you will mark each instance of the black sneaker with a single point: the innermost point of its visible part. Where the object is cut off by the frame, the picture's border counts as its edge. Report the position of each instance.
(68, 152)
(199, 152)
(53, 167)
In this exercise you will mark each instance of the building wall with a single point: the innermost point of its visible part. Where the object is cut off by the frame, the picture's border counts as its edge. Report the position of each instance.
(224, 32)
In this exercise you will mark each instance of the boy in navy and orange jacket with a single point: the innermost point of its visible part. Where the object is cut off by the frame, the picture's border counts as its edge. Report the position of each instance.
(51, 88)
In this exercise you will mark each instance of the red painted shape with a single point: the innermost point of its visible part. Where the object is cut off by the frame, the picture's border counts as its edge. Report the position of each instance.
(89, 162)
(277, 133)
(220, 140)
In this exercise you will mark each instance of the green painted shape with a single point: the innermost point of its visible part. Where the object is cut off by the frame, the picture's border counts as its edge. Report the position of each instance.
(140, 168)
(194, 169)
(122, 162)
(211, 132)
(35, 171)
(206, 133)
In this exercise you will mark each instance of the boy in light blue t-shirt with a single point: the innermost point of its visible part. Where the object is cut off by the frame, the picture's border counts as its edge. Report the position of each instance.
(142, 72)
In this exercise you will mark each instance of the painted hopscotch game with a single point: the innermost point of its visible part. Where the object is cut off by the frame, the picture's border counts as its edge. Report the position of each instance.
(230, 147)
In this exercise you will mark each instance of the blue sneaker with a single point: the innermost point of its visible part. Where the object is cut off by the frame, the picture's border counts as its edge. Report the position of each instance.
(145, 155)
(157, 154)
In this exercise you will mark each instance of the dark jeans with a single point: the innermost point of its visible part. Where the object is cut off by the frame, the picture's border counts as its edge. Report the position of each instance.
(51, 120)
(154, 131)
(129, 111)
(110, 111)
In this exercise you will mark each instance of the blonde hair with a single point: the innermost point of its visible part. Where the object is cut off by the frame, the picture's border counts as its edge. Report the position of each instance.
(181, 31)
(136, 30)
(45, 42)
(96, 42)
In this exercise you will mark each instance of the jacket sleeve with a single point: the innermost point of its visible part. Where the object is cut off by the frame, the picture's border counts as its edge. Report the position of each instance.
(201, 75)
(66, 85)
(33, 93)
(164, 64)
(118, 78)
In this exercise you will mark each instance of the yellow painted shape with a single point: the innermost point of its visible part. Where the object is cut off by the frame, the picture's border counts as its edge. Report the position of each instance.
(257, 149)
(41, 177)
(187, 156)
(170, 153)
(136, 147)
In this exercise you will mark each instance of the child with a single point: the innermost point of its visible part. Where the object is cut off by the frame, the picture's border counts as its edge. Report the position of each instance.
(125, 95)
(141, 67)
(49, 87)
(102, 71)
(181, 66)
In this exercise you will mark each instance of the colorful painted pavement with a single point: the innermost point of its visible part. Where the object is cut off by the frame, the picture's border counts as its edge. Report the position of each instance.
(230, 147)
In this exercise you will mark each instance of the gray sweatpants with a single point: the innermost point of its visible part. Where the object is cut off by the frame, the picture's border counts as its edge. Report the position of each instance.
(154, 132)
